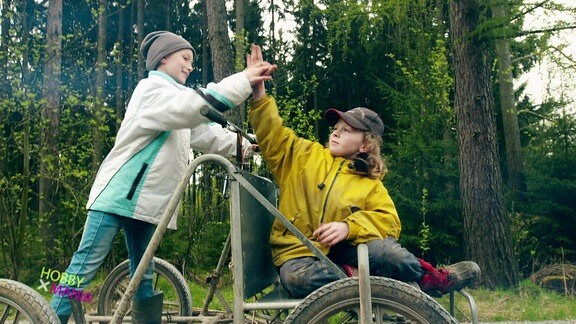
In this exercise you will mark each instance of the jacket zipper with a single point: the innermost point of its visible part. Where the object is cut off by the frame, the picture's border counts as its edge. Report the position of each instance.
(328, 193)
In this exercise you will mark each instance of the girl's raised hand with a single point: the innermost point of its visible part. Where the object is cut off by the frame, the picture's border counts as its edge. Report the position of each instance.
(258, 71)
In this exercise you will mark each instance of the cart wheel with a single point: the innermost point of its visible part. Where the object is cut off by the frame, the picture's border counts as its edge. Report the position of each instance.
(22, 304)
(392, 302)
(177, 296)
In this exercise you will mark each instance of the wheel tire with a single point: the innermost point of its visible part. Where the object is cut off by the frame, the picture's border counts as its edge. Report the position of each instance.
(77, 312)
(117, 281)
(24, 302)
(392, 302)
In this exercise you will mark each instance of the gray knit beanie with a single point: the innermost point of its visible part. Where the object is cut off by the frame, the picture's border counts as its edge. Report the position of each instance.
(157, 45)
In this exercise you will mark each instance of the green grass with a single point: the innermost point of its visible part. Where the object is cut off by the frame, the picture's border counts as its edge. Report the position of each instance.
(199, 290)
(528, 302)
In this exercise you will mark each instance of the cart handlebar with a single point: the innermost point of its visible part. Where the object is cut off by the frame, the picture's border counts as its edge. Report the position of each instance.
(218, 118)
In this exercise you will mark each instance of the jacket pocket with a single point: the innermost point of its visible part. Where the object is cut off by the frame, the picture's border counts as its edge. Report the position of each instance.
(137, 181)
(354, 209)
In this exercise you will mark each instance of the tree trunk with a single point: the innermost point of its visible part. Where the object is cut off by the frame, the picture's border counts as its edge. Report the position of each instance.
(140, 28)
(4, 37)
(240, 57)
(514, 159)
(130, 80)
(447, 135)
(24, 198)
(220, 46)
(486, 225)
(120, 68)
(50, 131)
(167, 22)
(219, 41)
(272, 31)
(205, 46)
(97, 131)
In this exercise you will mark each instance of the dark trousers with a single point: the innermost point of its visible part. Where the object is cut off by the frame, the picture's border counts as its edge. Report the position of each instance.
(387, 258)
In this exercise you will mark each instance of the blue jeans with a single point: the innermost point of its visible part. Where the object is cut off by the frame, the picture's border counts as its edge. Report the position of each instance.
(387, 258)
(99, 232)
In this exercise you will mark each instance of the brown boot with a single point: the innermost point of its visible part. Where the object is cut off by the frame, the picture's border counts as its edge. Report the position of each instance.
(437, 282)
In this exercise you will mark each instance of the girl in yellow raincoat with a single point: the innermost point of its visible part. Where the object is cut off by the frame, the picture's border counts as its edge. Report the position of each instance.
(335, 196)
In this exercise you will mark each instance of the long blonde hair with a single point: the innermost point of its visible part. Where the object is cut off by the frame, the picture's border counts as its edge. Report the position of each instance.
(376, 165)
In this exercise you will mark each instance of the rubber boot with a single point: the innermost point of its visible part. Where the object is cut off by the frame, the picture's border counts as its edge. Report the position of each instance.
(149, 310)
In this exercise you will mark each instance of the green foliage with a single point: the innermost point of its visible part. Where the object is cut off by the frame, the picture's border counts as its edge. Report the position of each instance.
(424, 233)
(295, 115)
(420, 143)
(546, 218)
(213, 238)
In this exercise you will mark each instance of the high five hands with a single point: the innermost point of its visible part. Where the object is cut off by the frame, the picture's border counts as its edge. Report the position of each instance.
(260, 71)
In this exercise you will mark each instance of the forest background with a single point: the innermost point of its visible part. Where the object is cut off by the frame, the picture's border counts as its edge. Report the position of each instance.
(477, 170)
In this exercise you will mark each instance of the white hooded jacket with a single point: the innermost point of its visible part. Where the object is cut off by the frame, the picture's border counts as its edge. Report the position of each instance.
(152, 148)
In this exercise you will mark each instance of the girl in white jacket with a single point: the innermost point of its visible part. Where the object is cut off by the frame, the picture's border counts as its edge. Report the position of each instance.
(136, 180)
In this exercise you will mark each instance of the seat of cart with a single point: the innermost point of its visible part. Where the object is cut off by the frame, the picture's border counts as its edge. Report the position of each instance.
(260, 277)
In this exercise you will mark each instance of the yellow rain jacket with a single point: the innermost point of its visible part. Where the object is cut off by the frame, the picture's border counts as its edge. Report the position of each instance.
(299, 166)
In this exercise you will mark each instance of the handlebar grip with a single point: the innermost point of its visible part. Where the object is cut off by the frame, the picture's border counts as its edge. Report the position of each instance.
(218, 118)
(214, 116)
(251, 139)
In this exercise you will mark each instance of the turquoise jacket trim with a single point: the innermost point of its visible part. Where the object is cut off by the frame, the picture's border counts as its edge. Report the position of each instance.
(220, 98)
(121, 194)
(166, 77)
